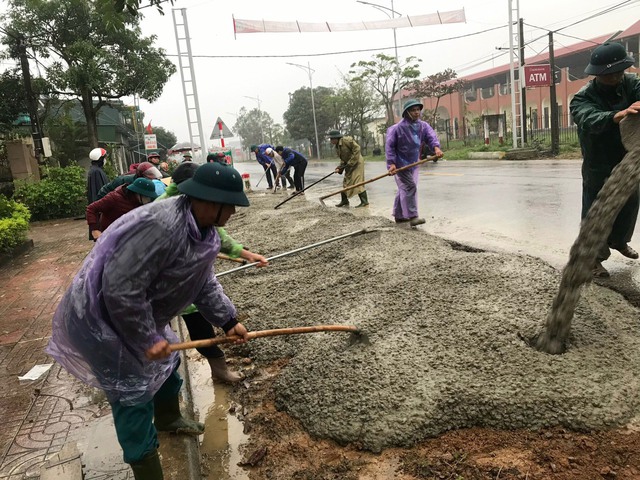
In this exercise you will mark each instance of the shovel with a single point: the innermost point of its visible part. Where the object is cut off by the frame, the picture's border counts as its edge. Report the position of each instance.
(265, 172)
(406, 167)
(305, 188)
(357, 337)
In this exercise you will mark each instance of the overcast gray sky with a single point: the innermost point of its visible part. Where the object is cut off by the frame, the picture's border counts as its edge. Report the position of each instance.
(223, 83)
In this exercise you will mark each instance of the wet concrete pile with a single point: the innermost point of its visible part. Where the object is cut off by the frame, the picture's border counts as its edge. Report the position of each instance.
(446, 327)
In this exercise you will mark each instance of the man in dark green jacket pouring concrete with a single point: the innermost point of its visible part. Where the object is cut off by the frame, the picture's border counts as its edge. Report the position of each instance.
(597, 109)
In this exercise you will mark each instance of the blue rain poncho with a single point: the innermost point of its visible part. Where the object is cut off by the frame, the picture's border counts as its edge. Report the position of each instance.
(151, 264)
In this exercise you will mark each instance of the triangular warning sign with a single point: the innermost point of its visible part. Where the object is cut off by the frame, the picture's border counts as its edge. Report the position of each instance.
(216, 130)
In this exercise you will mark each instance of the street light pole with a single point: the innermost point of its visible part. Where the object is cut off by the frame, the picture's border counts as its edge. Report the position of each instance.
(395, 45)
(257, 99)
(310, 71)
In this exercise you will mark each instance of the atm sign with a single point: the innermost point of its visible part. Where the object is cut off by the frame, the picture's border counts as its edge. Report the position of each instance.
(537, 75)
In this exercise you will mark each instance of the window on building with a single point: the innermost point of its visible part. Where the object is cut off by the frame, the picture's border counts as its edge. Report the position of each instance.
(488, 92)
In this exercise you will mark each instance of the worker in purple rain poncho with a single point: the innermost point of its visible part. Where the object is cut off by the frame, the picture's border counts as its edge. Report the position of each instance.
(404, 141)
(111, 328)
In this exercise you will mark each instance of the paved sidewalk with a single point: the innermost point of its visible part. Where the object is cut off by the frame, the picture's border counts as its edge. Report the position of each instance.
(39, 417)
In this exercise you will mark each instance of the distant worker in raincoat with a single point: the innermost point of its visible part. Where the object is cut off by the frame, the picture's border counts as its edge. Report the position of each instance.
(111, 328)
(404, 141)
(352, 164)
(292, 158)
(267, 163)
(96, 178)
(279, 163)
(142, 170)
(103, 212)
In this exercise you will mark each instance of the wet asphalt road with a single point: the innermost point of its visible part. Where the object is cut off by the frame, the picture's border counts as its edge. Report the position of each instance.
(528, 207)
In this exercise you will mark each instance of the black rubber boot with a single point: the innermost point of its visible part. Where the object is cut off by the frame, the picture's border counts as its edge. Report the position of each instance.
(149, 468)
(344, 202)
(364, 202)
(167, 418)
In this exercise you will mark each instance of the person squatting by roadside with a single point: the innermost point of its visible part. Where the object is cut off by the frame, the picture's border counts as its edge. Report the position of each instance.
(597, 109)
(197, 325)
(404, 140)
(295, 159)
(111, 328)
(103, 212)
(142, 170)
(352, 164)
(279, 163)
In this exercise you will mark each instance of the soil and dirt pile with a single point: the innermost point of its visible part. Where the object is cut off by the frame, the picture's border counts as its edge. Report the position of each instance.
(445, 323)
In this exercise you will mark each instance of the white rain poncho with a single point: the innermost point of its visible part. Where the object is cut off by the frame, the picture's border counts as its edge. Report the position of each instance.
(144, 270)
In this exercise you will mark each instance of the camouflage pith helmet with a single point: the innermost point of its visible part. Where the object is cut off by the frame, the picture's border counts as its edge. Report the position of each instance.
(610, 57)
(411, 103)
(214, 182)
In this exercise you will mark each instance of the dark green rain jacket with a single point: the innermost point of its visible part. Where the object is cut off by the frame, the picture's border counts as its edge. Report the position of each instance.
(593, 108)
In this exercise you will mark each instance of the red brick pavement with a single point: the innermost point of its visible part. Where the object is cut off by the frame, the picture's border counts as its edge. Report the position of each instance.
(39, 417)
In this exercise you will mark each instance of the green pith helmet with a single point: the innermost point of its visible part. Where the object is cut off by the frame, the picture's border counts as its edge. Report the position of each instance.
(253, 147)
(144, 187)
(334, 134)
(214, 182)
(609, 58)
(411, 103)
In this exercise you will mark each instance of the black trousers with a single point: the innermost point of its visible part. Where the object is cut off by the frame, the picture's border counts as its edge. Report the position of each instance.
(200, 329)
(298, 175)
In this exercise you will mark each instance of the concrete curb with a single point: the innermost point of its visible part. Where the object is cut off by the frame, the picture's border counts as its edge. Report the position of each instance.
(192, 446)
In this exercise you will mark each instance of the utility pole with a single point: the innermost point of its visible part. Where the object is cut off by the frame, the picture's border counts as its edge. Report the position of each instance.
(36, 133)
(553, 110)
(310, 72)
(523, 91)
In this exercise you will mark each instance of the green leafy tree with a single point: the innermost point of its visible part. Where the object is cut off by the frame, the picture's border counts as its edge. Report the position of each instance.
(437, 86)
(254, 127)
(89, 60)
(298, 118)
(12, 99)
(387, 77)
(358, 105)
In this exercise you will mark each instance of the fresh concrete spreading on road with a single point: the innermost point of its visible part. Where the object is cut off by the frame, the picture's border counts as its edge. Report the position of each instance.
(445, 325)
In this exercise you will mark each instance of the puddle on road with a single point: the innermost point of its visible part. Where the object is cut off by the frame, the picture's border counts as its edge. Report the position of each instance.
(220, 444)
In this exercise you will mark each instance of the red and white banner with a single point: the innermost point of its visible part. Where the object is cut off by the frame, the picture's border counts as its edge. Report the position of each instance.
(264, 26)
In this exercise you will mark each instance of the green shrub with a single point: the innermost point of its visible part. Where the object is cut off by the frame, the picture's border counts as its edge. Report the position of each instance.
(14, 223)
(61, 194)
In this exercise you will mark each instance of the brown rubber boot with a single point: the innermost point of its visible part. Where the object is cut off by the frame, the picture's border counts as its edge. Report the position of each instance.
(220, 371)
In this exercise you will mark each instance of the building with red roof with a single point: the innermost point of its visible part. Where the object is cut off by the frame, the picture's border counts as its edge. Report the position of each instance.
(461, 114)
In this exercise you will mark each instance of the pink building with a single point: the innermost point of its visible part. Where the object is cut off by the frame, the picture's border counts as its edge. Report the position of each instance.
(489, 93)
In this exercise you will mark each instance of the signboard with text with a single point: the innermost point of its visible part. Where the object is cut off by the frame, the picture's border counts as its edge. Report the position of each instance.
(150, 142)
(537, 75)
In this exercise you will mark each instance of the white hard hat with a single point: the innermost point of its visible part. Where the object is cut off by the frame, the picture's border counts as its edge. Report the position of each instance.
(97, 154)
(269, 151)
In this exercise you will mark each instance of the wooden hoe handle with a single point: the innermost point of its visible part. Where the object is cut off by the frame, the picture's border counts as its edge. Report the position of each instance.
(262, 333)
